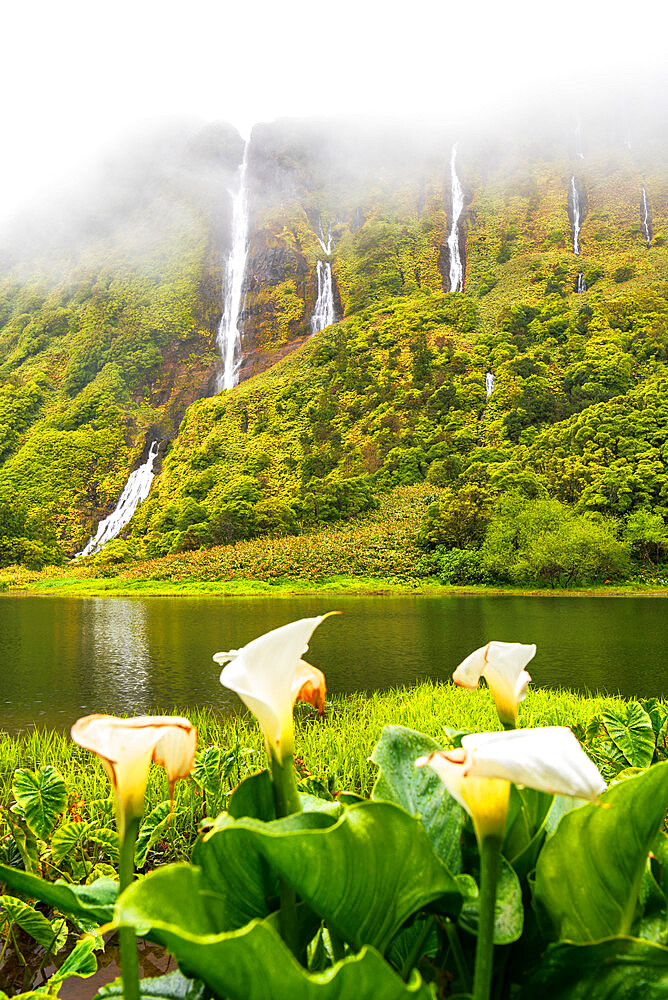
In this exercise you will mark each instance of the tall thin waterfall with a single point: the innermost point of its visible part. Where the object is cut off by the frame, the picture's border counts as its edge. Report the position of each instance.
(581, 284)
(489, 384)
(135, 490)
(229, 331)
(323, 313)
(575, 208)
(646, 224)
(456, 269)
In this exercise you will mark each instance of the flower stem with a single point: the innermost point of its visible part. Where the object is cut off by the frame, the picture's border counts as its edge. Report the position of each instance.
(286, 796)
(287, 802)
(490, 852)
(126, 935)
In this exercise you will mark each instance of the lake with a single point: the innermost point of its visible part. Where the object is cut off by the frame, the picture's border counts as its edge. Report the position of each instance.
(63, 657)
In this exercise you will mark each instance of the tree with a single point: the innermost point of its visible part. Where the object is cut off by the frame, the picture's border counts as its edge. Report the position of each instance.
(457, 521)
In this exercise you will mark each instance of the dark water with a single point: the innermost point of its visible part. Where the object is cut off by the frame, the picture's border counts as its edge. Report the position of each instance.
(62, 657)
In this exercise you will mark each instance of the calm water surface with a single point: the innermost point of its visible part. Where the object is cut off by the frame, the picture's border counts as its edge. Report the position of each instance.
(62, 657)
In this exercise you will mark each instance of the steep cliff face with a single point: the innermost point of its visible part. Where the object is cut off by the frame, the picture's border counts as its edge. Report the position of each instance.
(117, 346)
(109, 304)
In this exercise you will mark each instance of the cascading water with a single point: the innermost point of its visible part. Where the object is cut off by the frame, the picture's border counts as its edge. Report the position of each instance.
(229, 331)
(323, 312)
(575, 216)
(489, 384)
(135, 490)
(456, 269)
(581, 284)
(646, 223)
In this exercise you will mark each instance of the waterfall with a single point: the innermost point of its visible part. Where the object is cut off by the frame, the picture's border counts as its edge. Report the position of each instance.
(456, 269)
(135, 490)
(229, 331)
(575, 207)
(489, 384)
(646, 223)
(323, 313)
(581, 285)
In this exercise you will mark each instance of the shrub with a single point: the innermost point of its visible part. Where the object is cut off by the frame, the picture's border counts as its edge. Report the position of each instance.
(457, 521)
(456, 566)
(624, 273)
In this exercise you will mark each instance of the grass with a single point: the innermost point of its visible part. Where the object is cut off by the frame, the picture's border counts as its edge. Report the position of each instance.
(335, 749)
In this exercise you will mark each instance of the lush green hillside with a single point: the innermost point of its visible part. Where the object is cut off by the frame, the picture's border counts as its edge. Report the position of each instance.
(108, 356)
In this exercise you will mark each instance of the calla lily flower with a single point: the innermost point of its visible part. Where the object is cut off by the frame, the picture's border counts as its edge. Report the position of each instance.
(502, 665)
(126, 748)
(549, 759)
(269, 675)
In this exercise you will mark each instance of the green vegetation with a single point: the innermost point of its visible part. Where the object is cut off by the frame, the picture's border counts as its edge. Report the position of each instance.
(58, 844)
(110, 354)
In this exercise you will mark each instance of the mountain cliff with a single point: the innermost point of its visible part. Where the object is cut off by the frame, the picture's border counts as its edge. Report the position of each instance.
(110, 309)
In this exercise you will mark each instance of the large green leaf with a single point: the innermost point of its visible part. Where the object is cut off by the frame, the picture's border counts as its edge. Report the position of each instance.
(208, 770)
(419, 790)
(150, 830)
(589, 873)
(236, 872)
(252, 963)
(29, 919)
(254, 796)
(25, 841)
(80, 962)
(617, 969)
(41, 796)
(66, 838)
(508, 910)
(630, 729)
(364, 874)
(525, 827)
(94, 901)
(172, 986)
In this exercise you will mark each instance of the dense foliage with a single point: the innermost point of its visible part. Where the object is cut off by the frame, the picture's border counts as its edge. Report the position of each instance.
(107, 357)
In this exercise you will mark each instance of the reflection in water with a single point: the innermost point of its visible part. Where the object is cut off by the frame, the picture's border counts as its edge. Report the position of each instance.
(116, 665)
(65, 657)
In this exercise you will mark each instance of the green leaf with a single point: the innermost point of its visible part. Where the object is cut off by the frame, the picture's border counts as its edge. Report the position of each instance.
(80, 962)
(208, 770)
(419, 790)
(41, 795)
(252, 963)
(236, 872)
(29, 919)
(254, 796)
(25, 840)
(525, 827)
(105, 838)
(508, 911)
(66, 838)
(150, 831)
(94, 901)
(589, 873)
(172, 986)
(620, 968)
(630, 729)
(419, 938)
(365, 874)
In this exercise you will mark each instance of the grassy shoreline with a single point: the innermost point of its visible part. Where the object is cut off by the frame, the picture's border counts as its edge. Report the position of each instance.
(340, 743)
(348, 585)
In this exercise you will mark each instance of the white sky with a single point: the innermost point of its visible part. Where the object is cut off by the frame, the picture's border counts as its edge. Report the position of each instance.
(76, 73)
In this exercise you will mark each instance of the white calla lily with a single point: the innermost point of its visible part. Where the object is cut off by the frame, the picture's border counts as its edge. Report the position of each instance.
(126, 748)
(502, 665)
(269, 675)
(549, 759)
